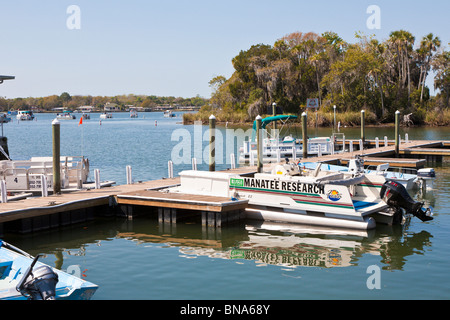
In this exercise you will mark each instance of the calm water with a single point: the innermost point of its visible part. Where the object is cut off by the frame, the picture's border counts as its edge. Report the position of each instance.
(141, 259)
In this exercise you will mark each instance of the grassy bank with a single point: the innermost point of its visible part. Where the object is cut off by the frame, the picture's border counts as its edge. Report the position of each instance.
(321, 119)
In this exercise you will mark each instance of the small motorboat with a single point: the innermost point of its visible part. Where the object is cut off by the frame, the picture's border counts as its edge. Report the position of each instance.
(66, 115)
(23, 277)
(106, 115)
(25, 115)
(422, 180)
(169, 114)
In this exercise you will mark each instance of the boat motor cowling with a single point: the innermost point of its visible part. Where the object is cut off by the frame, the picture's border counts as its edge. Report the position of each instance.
(396, 196)
(39, 283)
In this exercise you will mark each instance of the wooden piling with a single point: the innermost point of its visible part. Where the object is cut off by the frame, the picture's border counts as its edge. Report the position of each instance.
(305, 136)
(56, 134)
(259, 151)
(363, 124)
(212, 143)
(397, 131)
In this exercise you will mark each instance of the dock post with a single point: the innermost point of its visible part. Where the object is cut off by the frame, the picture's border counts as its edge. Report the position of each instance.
(259, 153)
(44, 189)
(129, 177)
(212, 143)
(274, 113)
(97, 178)
(233, 161)
(377, 142)
(170, 169)
(406, 138)
(385, 141)
(4, 192)
(305, 136)
(56, 133)
(194, 164)
(397, 130)
(363, 135)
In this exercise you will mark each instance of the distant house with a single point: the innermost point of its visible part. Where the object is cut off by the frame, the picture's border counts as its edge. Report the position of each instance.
(111, 107)
(86, 109)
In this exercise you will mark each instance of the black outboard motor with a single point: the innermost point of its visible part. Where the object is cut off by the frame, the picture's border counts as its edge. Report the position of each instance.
(38, 284)
(395, 195)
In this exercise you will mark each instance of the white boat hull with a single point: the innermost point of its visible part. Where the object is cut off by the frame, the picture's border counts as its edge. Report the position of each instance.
(294, 199)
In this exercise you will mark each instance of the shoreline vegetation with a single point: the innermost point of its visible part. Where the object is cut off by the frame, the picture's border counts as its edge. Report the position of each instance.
(379, 77)
(320, 119)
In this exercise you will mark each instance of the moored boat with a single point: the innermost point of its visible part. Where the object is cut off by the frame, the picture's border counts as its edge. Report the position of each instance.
(24, 277)
(275, 148)
(25, 115)
(169, 114)
(106, 115)
(66, 115)
(351, 200)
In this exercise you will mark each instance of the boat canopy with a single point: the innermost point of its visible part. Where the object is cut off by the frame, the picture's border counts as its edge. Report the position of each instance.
(266, 121)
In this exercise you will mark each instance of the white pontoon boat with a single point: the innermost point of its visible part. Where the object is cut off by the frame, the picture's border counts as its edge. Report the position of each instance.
(335, 199)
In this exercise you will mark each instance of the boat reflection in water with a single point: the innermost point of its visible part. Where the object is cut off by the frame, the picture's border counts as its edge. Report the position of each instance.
(291, 245)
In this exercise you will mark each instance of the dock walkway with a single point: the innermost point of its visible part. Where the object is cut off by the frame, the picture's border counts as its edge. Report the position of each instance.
(39, 213)
(376, 156)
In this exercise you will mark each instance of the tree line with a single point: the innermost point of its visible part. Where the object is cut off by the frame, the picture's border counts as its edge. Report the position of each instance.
(65, 100)
(378, 76)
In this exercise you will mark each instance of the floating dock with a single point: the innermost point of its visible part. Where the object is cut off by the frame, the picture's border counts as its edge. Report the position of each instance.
(40, 213)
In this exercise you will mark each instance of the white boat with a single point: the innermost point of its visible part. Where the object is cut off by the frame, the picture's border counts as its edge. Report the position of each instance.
(276, 149)
(23, 277)
(25, 115)
(4, 118)
(26, 175)
(423, 180)
(106, 115)
(66, 115)
(133, 113)
(321, 198)
(169, 114)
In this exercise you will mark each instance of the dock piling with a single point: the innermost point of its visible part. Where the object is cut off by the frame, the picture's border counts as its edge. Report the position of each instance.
(129, 176)
(44, 189)
(56, 133)
(212, 143)
(259, 144)
(170, 169)
(233, 161)
(3, 191)
(397, 132)
(97, 178)
(363, 134)
(305, 136)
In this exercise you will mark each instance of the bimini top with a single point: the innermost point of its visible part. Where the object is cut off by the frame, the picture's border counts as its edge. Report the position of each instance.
(266, 121)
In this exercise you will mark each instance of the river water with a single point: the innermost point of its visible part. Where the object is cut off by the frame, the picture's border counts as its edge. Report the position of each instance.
(140, 259)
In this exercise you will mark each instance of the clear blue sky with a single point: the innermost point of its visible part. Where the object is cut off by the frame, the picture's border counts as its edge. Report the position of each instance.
(173, 48)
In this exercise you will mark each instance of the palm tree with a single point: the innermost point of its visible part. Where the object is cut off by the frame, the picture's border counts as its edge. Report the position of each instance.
(402, 42)
(428, 45)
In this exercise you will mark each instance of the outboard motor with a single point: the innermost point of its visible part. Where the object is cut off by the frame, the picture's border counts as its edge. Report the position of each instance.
(38, 284)
(396, 196)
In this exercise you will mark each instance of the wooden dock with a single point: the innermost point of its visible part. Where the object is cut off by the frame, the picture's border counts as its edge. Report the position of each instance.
(39, 213)
(428, 150)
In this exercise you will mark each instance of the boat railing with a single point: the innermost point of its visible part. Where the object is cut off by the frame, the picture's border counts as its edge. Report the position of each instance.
(25, 175)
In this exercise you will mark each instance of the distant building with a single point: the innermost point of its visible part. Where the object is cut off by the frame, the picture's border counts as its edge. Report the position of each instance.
(86, 109)
(111, 107)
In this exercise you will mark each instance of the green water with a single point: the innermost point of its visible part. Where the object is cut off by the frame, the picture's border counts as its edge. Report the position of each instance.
(142, 259)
